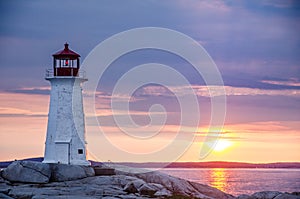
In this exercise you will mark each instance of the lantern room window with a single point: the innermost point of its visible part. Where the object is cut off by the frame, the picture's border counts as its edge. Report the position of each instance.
(66, 62)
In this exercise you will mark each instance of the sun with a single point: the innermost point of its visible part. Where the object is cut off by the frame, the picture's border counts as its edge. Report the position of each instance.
(222, 145)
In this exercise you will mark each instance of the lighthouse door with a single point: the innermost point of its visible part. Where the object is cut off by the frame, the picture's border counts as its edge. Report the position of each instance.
(63, 152)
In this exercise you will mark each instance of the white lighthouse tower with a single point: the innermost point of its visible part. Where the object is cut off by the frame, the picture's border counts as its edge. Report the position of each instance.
(65, 142)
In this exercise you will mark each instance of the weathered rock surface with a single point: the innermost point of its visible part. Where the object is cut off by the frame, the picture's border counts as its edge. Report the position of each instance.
(37, 172)
(27, 171)
(116, 186)
(147, 190)
(124, 185)
(266, 194)
(174, 185)
(130, 188)
(287, 196)
(270, 195)
(63, 172)
(3, 196)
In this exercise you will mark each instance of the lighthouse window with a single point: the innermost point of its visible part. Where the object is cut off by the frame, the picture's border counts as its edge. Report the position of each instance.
(80, 151)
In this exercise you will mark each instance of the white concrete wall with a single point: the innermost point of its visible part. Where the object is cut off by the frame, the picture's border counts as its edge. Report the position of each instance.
(66, 127)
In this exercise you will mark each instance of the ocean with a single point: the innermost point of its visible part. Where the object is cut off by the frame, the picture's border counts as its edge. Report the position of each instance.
(242, 181)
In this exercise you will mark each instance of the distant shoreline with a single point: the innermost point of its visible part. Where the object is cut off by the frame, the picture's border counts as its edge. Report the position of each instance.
(211, 164)
(238, 165)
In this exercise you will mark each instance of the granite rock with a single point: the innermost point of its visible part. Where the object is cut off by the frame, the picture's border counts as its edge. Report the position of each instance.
(265, 194)
(244, 196)
(270, 195)
(64, 172)
(27, 171)
(74, 182)
(4, 196)
(130, 188)
(287, 196)
(37, 172)
(147, 190)
(173, 184)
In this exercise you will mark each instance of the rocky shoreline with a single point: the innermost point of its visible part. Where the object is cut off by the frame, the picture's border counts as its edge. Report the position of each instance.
(34, 180)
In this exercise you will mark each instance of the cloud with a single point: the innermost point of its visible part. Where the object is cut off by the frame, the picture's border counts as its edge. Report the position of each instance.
(232, 32)
(292, 82)
(212, 137)
(23, 105)
(290, 88)
(264, 127)
(255, 131)
(205, 5)
(279, 3)
(32, 90)
(203, 91)
(15, 112)
(109, 112)
(255, 91)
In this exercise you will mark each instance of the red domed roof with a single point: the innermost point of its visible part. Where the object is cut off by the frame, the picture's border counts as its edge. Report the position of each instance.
(66, 53)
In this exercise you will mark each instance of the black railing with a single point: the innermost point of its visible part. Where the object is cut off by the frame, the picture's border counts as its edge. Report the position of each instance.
(65, 72)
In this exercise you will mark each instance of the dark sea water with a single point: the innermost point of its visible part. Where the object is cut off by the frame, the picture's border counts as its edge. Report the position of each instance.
(242, 181)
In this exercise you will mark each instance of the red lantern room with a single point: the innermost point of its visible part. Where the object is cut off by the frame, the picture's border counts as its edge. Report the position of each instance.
(66, 62)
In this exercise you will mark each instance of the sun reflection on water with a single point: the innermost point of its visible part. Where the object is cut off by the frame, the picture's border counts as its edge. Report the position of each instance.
(218, 178)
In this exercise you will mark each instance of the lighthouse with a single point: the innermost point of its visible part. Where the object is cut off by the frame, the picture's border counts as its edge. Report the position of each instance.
(65, 141)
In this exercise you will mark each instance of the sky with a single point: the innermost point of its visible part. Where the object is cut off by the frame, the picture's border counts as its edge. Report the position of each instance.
(254, 44)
